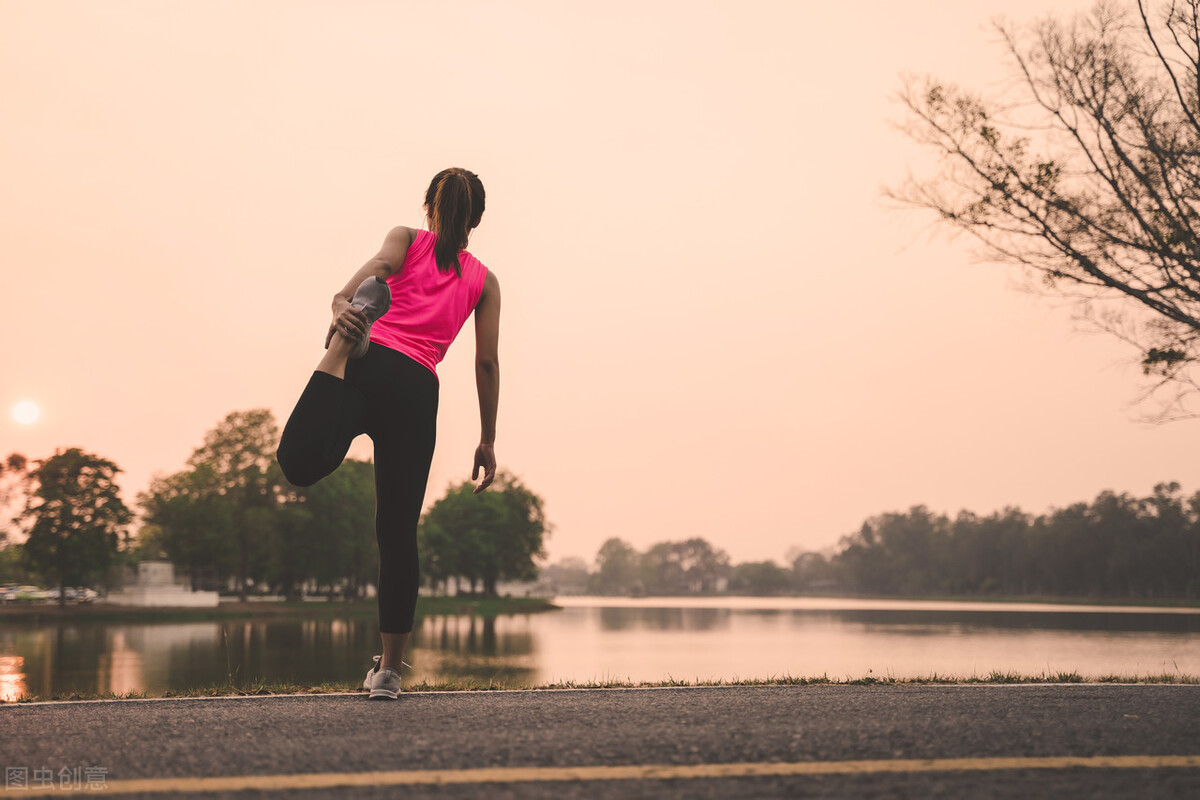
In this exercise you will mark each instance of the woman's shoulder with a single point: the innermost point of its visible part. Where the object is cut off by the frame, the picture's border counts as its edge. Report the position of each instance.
(417, 240)
(473, 265)
(405, 232)
(400, 239)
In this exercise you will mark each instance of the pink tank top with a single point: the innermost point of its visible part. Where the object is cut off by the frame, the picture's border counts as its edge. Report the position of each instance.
(429, 306)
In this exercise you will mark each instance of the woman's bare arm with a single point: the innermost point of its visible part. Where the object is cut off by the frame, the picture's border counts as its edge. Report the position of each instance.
(487, 378)
(384, 264)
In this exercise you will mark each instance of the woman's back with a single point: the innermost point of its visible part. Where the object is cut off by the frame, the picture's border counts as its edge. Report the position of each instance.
(429, 305)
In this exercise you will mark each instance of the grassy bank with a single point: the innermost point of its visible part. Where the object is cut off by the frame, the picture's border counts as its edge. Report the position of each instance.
(426, 606)
(275, 689)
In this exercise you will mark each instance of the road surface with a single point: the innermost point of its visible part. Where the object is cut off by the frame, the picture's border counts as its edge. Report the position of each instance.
(1022, 741)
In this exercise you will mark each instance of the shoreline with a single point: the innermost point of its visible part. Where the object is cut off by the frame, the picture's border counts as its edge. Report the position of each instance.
(265, 609)
(882, 603)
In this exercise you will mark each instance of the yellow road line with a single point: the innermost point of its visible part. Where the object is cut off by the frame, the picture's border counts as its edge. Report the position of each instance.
(324, 780)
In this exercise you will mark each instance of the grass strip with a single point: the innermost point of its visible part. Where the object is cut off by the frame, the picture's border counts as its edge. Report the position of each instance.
(339, 687)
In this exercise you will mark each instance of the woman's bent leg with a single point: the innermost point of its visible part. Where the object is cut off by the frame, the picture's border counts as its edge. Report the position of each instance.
(329, 414)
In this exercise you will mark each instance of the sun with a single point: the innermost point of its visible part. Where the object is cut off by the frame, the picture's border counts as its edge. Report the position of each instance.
(26, 412)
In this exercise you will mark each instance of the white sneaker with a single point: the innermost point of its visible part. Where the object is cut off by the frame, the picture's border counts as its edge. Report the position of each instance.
(383, 684)
(371, 673)
(386, 685)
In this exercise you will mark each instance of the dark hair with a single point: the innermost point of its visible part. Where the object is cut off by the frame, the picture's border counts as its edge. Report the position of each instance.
(454, 200)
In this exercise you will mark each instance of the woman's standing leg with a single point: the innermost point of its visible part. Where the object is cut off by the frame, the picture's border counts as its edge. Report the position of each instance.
(329, 414)
(405, 433)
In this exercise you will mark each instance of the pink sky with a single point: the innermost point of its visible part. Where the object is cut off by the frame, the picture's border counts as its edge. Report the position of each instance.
(713, 324)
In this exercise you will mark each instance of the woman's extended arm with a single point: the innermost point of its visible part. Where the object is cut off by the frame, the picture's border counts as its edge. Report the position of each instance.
(386, 262)
(487, 378)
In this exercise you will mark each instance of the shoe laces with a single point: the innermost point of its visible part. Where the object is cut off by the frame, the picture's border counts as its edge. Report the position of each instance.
(377, 659)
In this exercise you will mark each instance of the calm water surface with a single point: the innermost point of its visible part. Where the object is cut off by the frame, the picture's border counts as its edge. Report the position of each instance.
(616, 638)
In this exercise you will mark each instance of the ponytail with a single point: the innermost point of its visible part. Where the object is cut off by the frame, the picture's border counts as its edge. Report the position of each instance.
(455, 204)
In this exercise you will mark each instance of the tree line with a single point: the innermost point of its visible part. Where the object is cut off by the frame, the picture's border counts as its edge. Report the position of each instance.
(687, 567)
(230, 521)
(1117, 546)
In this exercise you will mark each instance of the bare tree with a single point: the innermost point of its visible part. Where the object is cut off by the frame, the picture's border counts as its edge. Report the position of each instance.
(1090, 180)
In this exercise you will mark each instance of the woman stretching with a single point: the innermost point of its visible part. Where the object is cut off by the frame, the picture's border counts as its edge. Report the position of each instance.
(392, 324)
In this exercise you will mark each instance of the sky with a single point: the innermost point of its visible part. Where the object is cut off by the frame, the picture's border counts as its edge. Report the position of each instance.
(714, 324)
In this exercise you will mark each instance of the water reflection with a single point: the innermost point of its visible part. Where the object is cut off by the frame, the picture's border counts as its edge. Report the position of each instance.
(1062, 621)
(582, 643)
(476, 635)
(12, 678)
(695, 619)
(498, 650)
(642, 641)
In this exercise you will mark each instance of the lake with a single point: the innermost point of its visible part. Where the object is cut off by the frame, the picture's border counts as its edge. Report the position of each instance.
(594, 638)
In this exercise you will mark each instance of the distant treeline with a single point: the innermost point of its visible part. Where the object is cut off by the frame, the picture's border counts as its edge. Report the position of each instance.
(1117, 546)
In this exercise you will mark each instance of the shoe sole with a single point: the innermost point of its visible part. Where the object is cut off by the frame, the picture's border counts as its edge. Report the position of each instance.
(383, 694)
(362, 345)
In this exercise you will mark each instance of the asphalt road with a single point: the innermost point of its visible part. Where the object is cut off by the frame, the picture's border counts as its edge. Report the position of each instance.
(823, 741)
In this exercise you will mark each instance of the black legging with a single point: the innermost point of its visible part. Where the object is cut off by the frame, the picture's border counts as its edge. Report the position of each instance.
(394, 400)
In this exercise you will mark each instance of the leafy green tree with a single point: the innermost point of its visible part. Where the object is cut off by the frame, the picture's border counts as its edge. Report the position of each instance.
(616, 568)
(1188, 550)
(897, 553)
(76, 517)
(812, 572)
(659, 572)
(704, 566)
(692, 566)
(239, 452)
(1170, 560)
(14, 567)
(987, 554)
(525, 531)
(861, 566)
(484, 538)
(193, 521)
(284, 542)
(333, 539)
(16, 481)
(218, 504)
(232, 511)
(1089, 179)
(440, 550)
(149, 545)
